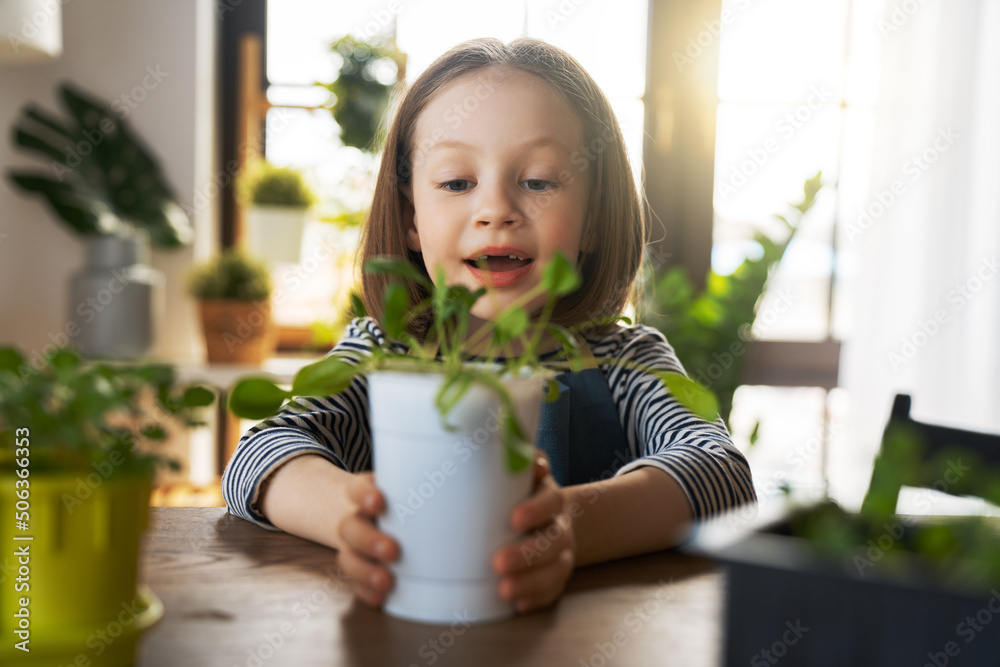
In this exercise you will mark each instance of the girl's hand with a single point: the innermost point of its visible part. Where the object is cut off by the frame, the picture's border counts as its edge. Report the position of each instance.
(534, 569)
(364, 548)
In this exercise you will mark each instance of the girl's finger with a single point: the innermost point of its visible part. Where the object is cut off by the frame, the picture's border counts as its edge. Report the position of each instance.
(366, 575)
(538, 587)
(542, 467)
(360, 534)
(361, 490)
(538, 510)
(535, 550)
(368, 596)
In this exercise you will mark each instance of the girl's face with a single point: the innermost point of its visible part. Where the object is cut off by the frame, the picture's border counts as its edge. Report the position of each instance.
(494, 177)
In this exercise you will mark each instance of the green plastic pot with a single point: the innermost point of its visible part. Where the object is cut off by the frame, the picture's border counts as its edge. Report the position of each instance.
(82, 596)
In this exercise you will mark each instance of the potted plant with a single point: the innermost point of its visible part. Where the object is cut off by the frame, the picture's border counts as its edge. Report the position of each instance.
(452, 438)
(830, 587)
(713, 324)
(279, 200)
(108, 188)
(233, 291)
(363, 88)
(77, 459)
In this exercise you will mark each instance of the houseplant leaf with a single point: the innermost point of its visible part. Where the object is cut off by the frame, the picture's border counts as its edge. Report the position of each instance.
(397, 302)
(325, 377)
(256, 398)
(398, 267)
(73, 205)
(691, 394)
(559, 276)
(105, 177)
(197, 397)
(10, 359)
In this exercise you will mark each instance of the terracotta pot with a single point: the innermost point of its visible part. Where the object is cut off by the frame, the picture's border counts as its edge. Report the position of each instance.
(238, 332)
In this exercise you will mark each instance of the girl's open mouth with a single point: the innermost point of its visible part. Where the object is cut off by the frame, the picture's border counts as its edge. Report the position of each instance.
(499, 270)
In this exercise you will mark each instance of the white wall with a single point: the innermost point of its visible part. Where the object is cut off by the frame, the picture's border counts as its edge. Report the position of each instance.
(107, 47)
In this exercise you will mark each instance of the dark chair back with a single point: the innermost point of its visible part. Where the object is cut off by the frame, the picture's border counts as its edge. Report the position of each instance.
(914, 453)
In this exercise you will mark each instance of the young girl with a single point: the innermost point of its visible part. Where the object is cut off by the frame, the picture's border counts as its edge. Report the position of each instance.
(497, 157)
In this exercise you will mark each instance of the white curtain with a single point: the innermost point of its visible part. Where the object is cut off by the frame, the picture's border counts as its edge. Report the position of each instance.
(929, 294)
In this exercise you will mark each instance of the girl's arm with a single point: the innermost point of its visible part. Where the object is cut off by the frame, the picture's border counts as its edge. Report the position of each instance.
(563, 528)
(643, 511)
(694, 455)
(303, 471)
(688, 469)
(334, 428)
(312, 498)
(307, 496)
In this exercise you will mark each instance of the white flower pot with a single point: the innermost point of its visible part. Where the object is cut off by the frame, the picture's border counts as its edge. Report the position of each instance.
(275, 232)
(449, 494)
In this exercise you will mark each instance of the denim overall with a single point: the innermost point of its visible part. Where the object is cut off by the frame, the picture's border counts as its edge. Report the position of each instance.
(580, 431)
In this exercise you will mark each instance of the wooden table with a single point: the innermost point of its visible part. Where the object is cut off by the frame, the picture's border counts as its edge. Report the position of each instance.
(236, 594)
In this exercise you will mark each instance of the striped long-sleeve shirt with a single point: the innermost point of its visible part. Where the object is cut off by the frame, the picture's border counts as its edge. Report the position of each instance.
(661, 432)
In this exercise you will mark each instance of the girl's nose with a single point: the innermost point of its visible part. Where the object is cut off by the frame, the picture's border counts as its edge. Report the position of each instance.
(497, 206)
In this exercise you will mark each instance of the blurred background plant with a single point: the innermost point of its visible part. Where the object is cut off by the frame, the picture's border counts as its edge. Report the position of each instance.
(233, 290)
(705, 326)
(106, 180)
(79, 414)
(265, 184)
(959, 551)
(231, 275)
(363, 88)
(346, 219)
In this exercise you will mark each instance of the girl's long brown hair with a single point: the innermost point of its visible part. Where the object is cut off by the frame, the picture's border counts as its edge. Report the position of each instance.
(614, 229)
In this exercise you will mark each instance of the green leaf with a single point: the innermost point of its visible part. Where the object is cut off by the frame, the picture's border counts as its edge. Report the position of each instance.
(691, 394)
(64, 359)
(559, 276)
(323, 378)
(451, 392)
(397, 302)
(565, 337)
(26, 139)
(256, 398)
(78, 212)
(809, 191)
(519, 455)
(106, 178)
(45, 119)
(397, 267)
(197, 397)
(11, 360)
(551, 391)
(511, 323)
(154, 432)
(754, 434)
(459, 294)
(357, 305)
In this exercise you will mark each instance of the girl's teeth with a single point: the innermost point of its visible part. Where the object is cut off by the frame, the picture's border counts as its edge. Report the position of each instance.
(481, 257)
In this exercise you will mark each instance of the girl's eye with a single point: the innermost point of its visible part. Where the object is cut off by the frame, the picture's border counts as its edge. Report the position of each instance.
(537, 184)
(456, 185)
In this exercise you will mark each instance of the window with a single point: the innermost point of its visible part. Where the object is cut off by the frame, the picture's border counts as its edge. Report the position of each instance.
(797, 86)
